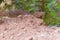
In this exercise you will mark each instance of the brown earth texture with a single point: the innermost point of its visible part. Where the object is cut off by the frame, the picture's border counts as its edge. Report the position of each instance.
(27, 27)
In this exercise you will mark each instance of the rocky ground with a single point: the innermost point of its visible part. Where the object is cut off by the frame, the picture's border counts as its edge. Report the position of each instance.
(27, 27)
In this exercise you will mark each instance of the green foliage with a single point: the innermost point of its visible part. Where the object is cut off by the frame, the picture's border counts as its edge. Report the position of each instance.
(28, 5)
(51, 9)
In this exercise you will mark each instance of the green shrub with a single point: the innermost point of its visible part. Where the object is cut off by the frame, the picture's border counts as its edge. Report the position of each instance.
(50, 7)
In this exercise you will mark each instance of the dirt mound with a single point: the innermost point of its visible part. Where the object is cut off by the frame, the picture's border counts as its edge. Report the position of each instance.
(27, 27)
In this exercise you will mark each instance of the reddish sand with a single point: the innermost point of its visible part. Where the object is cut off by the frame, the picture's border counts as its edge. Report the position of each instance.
(27, 27)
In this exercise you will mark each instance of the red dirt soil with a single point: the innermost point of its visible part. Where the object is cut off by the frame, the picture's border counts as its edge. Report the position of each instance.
(27, 27)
